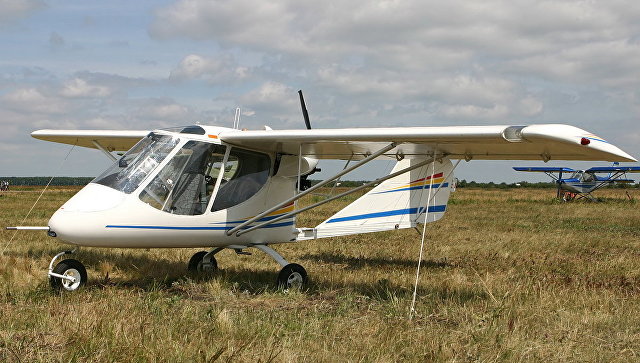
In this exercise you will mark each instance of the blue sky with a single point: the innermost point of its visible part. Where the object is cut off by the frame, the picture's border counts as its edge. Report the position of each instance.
(145, 65)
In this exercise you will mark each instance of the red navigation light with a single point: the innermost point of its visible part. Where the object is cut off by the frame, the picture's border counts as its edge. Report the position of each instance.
(585, 141)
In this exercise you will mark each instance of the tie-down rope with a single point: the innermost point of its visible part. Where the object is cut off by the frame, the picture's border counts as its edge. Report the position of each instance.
(424, 233)
(36, 202)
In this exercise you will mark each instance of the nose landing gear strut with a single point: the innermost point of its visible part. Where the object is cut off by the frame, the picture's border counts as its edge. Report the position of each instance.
(68, 274)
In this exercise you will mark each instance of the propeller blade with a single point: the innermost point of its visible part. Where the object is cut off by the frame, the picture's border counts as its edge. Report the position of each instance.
(304, 111)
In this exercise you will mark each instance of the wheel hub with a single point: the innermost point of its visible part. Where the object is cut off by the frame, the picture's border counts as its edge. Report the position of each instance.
(295, 280)
(71, 284)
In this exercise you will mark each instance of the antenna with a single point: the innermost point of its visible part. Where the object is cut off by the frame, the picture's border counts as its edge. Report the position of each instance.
(236, 119)
(305, 114)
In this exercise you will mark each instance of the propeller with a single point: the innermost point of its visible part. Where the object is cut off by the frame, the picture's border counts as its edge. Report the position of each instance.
(304, 111)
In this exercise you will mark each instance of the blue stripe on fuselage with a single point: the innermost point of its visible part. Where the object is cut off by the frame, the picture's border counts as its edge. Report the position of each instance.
(195, 228)
(397, 212)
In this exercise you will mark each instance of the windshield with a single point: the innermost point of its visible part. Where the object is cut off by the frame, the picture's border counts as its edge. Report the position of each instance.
(127, 173)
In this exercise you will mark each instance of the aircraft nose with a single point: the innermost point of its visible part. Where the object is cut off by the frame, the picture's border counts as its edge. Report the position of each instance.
(77, 228)
(61, 225)
(78, 220)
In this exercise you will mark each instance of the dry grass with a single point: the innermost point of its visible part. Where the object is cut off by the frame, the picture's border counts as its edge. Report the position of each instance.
(509, 275)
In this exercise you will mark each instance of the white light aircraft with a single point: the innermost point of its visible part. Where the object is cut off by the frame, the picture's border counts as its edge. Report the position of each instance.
(222, 188)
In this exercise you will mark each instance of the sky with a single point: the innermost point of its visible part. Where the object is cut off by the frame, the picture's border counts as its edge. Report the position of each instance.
(153, 64)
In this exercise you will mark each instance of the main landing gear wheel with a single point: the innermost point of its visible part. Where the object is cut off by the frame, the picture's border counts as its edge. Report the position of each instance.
(74, 270)
(292, 276)
(196, 263)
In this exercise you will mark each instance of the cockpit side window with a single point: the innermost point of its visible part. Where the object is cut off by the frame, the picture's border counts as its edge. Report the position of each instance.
(589, 177)
(185, 184)
(245, 174)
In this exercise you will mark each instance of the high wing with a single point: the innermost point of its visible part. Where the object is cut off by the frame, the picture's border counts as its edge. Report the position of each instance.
(614, 169)
(543, 169)
(536, 142)
(111, 140)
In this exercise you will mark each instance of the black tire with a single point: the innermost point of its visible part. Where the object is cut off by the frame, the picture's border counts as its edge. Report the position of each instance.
(195, 263)
(292, 276)
(69, 267)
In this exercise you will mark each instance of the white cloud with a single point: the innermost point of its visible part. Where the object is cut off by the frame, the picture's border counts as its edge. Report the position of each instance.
(416, 62)
(419, 36)
(271, 93)
(171, 112)
(361, 63)
(32, 100)
(213, 70)
(530, 106)
(160, 112)
(473, 112)
(78, 88)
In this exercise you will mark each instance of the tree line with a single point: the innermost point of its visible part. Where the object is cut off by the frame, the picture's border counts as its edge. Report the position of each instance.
(473, 184)
(84, 180)
(43, 180)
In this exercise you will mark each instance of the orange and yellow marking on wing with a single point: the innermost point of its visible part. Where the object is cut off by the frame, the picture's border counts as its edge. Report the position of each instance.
(594, 137)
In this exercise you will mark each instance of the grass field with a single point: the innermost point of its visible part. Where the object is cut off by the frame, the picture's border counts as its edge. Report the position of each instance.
(508, 275)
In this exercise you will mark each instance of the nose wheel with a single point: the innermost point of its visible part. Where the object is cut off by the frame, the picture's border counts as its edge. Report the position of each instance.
(68, 275)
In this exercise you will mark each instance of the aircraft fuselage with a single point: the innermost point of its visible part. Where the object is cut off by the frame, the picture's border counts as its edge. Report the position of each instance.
(179, 190)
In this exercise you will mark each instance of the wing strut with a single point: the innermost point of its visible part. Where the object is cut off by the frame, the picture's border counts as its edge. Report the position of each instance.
(105, 151)
(322, 183)
(379, 180)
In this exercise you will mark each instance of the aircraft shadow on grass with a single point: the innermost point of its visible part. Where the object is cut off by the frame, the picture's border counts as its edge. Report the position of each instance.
(356, 263)
(260, 282)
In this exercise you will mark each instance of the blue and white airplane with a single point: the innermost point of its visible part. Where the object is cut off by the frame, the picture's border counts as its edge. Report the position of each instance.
(581, 183)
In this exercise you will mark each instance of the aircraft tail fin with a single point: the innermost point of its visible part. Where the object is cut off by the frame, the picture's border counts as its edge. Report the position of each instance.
(396, 203)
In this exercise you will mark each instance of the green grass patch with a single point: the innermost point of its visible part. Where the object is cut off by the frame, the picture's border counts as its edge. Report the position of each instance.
(507, 276)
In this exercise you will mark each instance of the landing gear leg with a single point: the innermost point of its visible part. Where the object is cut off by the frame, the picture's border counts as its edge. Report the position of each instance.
(204, 261)
(292, 275)
(68, 275)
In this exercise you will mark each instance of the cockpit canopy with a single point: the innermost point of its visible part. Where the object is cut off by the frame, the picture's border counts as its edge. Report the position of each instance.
(187, 177)
(583, 176)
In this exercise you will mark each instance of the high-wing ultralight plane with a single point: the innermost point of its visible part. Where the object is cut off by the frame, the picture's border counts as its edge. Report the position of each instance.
(581, 183)
(222, 188)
